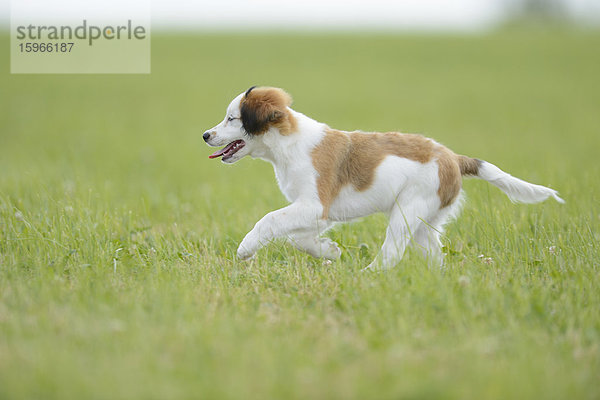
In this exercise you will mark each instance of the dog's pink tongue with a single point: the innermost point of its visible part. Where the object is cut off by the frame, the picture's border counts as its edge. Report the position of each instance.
(219, 153)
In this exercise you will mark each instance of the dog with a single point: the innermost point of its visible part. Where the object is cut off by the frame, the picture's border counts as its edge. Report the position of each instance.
(331, 176)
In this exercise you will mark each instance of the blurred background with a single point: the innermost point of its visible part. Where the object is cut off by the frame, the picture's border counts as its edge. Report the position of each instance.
(433, 15)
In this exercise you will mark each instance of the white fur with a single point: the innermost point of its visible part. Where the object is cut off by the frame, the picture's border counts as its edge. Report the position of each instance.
(403, 189)
(516, 189)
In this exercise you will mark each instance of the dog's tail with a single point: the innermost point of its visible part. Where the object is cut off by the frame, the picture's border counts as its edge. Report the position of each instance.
(516, 189)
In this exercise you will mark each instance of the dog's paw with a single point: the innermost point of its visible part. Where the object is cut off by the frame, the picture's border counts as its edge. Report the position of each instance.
(369, 268)
(375, 266)
(244, 253)
(329, 249)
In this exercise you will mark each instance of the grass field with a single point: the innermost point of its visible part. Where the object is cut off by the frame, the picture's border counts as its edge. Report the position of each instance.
(117, 234)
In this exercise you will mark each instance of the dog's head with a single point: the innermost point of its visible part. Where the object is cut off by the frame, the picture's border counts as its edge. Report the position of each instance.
(250, 116)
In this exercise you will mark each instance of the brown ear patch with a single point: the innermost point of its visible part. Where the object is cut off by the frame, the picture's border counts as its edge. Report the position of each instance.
(344, 158)
(265, 107)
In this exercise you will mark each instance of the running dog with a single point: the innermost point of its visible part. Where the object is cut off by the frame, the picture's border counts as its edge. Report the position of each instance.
(332, 176)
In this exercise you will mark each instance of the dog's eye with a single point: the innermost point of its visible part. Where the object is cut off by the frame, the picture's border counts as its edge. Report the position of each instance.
(230, 118)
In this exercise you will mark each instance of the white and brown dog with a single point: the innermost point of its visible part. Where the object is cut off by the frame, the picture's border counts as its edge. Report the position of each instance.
(332, 176)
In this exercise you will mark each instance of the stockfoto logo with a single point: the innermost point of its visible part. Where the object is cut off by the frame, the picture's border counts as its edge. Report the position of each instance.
(80, 37)
(85, 31)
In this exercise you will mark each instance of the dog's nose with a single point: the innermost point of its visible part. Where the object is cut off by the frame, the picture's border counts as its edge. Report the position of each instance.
(206, 136)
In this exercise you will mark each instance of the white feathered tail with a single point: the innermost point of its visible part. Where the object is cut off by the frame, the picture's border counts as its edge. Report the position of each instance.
(516, 189)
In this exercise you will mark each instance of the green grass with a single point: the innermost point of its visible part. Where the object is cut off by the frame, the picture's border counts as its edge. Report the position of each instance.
(117, 234)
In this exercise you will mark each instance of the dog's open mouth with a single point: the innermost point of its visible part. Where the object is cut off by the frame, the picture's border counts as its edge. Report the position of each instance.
(229, 150)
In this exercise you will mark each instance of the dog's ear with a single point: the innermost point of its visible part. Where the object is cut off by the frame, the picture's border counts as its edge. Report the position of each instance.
(262, 107)
(249, 90)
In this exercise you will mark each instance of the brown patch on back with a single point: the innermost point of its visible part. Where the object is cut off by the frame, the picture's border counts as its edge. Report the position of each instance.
(265, 107)
(344, 158)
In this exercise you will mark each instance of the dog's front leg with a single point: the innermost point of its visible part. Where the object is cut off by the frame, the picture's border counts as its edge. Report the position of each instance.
(282, 222)
(318, 247)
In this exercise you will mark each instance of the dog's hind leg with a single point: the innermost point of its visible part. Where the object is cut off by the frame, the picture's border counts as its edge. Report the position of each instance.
(427, 236)
(427, 239)
(405, 220)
